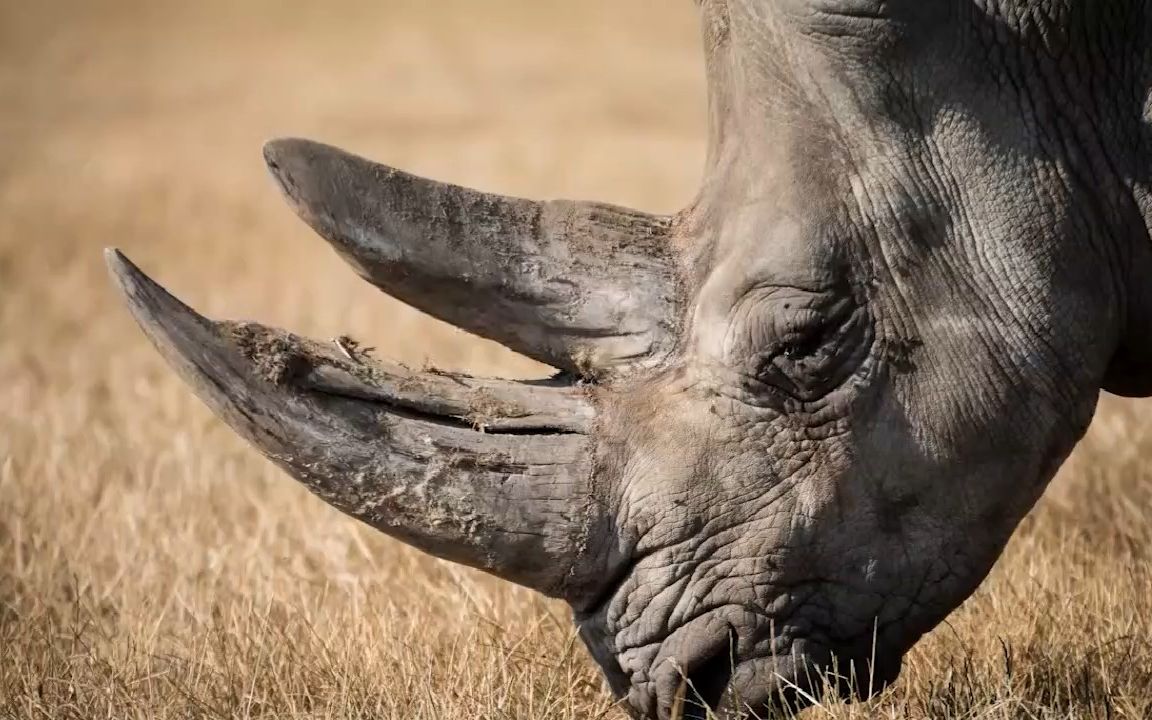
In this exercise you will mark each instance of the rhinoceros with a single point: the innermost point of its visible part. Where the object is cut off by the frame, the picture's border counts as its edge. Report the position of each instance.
(792, 426)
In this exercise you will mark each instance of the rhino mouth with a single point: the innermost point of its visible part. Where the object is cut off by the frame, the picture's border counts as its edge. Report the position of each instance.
(794, 675)
(794, 680)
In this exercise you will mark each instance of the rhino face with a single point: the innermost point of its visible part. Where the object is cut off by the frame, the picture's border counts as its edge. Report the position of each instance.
(796, 423)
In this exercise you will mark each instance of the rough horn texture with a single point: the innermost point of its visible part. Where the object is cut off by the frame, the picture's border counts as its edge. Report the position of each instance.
(584, 287)
(399, 450)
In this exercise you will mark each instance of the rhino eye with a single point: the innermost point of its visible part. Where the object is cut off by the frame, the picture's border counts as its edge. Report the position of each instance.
(805, 353)
(798, 363)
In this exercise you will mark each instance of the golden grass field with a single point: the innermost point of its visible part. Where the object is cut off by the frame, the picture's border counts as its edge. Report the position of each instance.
(153, 566)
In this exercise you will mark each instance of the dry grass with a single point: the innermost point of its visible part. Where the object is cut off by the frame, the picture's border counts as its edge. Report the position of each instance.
(153, 566)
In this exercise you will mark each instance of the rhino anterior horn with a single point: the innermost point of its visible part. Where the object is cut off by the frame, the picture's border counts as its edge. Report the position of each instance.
(494, 474)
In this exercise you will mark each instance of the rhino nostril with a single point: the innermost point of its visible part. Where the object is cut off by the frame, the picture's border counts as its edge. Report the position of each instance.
(706, 683)
(706, 686)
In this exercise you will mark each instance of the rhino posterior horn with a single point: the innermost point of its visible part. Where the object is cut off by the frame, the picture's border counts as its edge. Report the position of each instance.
(585, 287)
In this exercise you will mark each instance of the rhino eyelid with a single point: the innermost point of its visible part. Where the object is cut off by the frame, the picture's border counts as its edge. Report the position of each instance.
(768, 289)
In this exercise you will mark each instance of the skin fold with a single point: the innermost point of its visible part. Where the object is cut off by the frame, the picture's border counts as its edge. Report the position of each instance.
(794, 424)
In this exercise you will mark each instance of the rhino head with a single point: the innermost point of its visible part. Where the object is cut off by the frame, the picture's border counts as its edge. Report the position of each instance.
(794, 424)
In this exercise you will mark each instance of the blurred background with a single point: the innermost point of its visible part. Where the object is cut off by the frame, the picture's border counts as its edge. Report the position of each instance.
(151, 565)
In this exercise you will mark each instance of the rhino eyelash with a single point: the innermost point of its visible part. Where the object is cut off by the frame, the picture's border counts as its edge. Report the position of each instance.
(796, 347)
(804, 345)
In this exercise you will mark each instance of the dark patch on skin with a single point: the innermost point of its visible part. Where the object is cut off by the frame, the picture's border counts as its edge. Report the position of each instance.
(891, 512)
(900, 353)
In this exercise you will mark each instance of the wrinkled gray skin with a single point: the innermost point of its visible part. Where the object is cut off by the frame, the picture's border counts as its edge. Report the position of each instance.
(799, 420)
